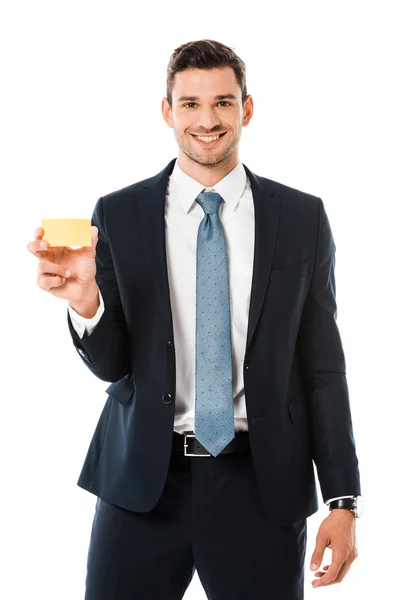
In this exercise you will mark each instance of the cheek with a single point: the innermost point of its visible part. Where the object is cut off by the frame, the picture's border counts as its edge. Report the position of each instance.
(180, 124)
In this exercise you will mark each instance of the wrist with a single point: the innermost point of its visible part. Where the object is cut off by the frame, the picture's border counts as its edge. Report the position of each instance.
(352, 505)
(343, 512)
(88, 301)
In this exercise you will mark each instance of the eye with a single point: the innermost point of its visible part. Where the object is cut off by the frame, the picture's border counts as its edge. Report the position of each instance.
(191, 104)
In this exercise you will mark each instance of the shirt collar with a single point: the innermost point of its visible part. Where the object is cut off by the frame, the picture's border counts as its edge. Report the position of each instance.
(230, 187)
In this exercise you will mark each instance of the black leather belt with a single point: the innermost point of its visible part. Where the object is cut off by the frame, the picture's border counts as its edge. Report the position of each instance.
(187, 444)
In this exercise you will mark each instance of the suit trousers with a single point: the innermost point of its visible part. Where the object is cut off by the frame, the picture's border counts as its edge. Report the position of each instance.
(210, 517)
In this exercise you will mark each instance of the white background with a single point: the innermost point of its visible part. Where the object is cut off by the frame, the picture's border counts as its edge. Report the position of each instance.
(82, 84)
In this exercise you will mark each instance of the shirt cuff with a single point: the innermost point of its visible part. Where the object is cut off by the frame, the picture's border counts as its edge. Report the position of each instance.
(338, 498)
(81, 324)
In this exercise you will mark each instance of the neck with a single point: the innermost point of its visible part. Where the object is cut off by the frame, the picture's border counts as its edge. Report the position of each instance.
(207, 175)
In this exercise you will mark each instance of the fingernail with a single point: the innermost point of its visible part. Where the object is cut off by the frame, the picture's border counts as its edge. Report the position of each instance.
(313, 566)
(67, 273)
(43, 244)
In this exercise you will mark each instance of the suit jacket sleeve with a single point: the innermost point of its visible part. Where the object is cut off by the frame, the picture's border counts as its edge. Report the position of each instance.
(323, 372)
(106, 350)
(82, 324)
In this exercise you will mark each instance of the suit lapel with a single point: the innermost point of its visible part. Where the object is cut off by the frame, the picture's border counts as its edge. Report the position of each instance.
(152, 220)
(266, 214)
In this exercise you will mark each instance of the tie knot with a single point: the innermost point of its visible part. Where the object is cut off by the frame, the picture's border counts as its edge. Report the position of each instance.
(209, 202)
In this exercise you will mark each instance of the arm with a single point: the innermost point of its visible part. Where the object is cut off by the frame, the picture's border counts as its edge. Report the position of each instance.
(82, 324)
(106, 351)
(323, 372)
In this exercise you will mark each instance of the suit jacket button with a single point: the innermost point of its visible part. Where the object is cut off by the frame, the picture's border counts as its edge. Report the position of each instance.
(170, 345)
(167, 398)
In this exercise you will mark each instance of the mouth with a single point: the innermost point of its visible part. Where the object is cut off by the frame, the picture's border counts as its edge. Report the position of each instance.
(208, 141)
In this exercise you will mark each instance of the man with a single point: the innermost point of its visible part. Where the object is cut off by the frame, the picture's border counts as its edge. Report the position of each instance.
(207, 299)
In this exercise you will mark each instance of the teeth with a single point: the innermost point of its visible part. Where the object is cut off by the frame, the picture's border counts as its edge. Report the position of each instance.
(208, 139)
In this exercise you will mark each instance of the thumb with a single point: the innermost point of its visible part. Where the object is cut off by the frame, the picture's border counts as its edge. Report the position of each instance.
(91, 250)
(95, 236)
(318, 553)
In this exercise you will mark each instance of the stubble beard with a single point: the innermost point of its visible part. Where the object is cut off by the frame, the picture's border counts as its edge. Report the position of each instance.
(201, 158)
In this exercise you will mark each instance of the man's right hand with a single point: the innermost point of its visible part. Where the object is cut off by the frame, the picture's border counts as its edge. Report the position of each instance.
(68, 273)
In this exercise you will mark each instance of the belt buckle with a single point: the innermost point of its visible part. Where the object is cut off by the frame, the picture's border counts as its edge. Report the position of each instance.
(185, 445)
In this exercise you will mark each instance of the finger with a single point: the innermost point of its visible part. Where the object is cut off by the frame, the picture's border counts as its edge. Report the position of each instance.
(47, 282)
(95, 237)
(332, 572)
(343, 571)
(46, 267)
(39, 231)
(91, 250)
(37, 245)
(318, 553)
(346, 567)
(320, 573)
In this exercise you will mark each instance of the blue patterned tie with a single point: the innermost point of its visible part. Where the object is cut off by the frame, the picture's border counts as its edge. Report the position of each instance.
(214, 421)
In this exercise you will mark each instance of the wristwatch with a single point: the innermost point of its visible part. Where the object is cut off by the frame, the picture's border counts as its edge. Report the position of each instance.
(354, 504)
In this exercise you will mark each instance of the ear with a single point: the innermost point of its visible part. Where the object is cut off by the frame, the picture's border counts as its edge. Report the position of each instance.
(248, 110)
(167, 112)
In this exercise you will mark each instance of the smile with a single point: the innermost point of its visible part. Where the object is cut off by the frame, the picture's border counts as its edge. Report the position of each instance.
(208, 140)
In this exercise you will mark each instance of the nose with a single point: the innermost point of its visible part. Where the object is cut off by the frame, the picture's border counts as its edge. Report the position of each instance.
(206, 118)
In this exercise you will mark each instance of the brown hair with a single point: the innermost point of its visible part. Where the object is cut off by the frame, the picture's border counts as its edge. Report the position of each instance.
(205, 54)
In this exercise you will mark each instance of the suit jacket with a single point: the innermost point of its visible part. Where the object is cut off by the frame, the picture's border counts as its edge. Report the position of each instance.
(296, 391)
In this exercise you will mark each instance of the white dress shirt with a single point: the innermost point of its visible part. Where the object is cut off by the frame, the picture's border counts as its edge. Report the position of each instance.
(182, 219)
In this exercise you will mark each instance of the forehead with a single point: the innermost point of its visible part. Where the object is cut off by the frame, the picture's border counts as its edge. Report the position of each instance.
(205, 83)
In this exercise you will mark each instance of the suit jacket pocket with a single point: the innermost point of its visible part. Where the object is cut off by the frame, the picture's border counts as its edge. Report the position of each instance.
(122, 390)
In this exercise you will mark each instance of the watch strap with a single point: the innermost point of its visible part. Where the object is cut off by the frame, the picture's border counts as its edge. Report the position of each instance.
(347, 503)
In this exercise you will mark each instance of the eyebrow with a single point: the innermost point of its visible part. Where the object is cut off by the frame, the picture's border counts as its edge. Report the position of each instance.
(196, 98)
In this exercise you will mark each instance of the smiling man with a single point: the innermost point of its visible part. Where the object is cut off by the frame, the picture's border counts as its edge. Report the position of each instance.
(207, 127)
(207, 299)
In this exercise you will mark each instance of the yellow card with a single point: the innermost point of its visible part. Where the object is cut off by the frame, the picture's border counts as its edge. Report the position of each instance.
(67, 232)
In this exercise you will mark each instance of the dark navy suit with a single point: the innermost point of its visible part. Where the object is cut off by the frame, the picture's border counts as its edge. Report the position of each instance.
(294, 370)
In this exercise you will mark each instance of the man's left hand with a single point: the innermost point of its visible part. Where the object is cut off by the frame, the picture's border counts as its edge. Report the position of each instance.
(337, 532)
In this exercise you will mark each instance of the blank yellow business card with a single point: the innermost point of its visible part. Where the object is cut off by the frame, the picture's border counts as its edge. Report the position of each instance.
(67, 232)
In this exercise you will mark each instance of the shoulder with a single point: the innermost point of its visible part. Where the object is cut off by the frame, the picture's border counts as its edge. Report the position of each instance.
(118, 202)
(290, 194)
(286, 194)
(128, 192)
(290, 202)
(294, 194)
(134, 191)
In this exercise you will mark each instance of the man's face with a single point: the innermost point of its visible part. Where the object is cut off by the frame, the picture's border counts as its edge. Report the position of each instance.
(207, 103)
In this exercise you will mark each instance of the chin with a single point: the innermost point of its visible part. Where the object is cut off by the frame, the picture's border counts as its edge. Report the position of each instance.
(212, 161)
